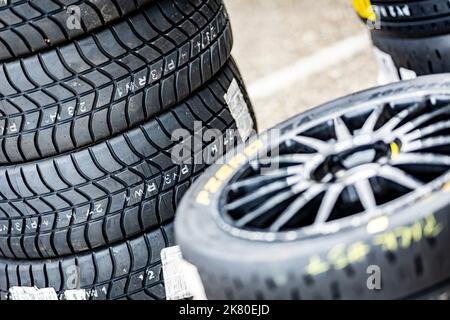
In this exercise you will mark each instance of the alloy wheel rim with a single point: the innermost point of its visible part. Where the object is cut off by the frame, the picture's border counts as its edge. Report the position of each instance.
(343, 167)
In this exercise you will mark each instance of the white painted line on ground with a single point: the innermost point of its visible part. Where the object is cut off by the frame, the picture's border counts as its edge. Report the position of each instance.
(305, 67)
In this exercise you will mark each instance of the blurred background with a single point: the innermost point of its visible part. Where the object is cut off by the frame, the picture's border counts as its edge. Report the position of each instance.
(297, 54)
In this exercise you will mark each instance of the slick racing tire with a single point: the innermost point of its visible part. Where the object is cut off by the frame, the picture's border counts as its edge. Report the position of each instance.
(110, 80)
(421, 56)
(349, 200)
(127, 270)
(406, 19)
(123, 186)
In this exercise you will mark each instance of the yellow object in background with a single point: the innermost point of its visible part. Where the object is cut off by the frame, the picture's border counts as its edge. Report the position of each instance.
(364, 9)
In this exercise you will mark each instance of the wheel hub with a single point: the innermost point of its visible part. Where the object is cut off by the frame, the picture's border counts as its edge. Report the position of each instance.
(336, 165)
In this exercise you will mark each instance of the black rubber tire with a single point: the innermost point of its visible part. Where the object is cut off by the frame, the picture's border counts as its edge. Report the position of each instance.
(412, 19)
(31, 26)
(424, 56)
(128, 270)
(236, 267)
(111, 80)
(102, 194)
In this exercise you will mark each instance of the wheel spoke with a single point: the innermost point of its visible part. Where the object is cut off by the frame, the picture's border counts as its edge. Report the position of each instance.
(313, 143)
(397, 119)
(371, 122)
(428, 159)
(264, 179)
(288, 159)
(328, 202)
(365, 194)
(426, 144)
(294, 207)
(423, 132)
(413, 124)
(399, 177)
(342, 132)
(272, 202)
(262, 191)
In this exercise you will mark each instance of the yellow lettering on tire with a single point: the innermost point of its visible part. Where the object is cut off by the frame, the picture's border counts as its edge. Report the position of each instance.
(357, 252)
(224, 173)
(432, 228)
(317, 266)
(337, 257)
(203, 198)
(388, 242)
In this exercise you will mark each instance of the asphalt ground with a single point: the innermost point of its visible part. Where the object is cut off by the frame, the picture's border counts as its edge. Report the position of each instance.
(297, 54)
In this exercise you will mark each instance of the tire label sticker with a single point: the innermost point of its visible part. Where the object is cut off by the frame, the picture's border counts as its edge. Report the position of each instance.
(80, 294)
(387, 72)
(239, 110)
(181, 279)
(32, 293)
(407, 74)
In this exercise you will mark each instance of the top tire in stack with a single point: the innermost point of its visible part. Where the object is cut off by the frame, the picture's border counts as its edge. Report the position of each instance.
(411, 38)
(91, 96)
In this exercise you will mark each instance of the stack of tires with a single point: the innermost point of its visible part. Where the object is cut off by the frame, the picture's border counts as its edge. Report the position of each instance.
(411, 38)
(91, 97)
